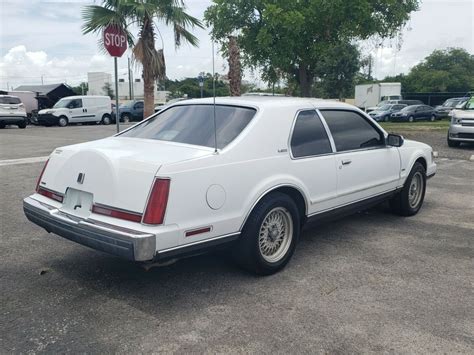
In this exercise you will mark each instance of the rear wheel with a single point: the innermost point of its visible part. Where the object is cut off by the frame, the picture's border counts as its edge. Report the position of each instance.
(22, 124)
(269, 236)
(411, 119)
(2, 125)
(106, 120)
(386, 119)
(432, 118)
(410, 199)
(62, 121)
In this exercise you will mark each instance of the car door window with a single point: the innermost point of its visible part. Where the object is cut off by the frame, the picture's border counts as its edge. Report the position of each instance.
(309, 136)
(139, 105)
(350, 130)
(76, 103)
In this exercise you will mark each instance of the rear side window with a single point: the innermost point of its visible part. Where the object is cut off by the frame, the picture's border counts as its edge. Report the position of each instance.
(194, 124)
(351, 131)
(309, 136)
(9, 100)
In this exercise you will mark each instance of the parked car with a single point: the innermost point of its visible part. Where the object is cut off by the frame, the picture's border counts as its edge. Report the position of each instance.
(383, 113)
(394, 102)
(12, 112)
(461, 128)
(444, 109)
(131, 111)
(77, 109)
(249, 171)
(414, 113)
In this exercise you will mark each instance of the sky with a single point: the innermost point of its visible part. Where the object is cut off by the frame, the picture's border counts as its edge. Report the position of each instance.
(41, 41)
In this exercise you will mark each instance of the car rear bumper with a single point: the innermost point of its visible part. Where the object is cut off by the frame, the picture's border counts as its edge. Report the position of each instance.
(125, 243)
(13, 119)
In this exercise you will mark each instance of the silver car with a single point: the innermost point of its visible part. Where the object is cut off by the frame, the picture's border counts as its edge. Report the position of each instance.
(461, 128)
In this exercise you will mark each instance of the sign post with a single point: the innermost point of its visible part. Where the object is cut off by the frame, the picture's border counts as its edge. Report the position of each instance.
(115, 42)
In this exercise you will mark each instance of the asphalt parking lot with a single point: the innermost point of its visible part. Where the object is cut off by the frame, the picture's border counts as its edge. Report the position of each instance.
(372, 282)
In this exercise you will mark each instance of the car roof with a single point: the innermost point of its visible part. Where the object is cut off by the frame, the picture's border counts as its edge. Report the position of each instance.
(267, 101)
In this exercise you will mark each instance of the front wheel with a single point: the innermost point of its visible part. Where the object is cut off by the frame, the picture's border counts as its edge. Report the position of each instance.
(269, 236)
(411, 119)
(62, 121)
(410, 199)
(22, 124)
(126, 118)
(432, 118)
(453, 144)
(386, 119)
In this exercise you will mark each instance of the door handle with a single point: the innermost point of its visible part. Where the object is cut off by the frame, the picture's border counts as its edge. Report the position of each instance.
(346, 162)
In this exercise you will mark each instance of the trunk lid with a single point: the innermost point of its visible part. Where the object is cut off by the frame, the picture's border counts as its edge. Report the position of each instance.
(116, 171)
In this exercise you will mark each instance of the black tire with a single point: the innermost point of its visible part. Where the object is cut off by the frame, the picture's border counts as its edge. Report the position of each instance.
(2, 125)
(248, 253)
(400, 203)
(22, 124)
(63, 121)
(126, 118)
(433, 118)
(106, 120)
(411, 119)
(386, 119)
(453, 144)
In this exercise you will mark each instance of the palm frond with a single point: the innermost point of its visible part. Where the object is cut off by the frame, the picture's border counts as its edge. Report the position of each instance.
(150, 58)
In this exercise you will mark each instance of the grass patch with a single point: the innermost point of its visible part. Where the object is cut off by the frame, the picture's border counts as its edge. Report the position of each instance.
(442, 125)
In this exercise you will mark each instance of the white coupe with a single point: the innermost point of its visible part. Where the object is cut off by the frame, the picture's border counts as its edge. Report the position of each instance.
(249, 171)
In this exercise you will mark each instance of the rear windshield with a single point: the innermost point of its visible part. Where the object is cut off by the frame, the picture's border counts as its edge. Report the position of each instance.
(409, 108)
(10, 100)
(194, 124)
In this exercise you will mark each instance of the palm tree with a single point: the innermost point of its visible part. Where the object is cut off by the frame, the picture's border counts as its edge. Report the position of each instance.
(143, 14)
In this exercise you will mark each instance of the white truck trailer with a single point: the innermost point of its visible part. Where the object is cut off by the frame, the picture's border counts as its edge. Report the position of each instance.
(368, 96)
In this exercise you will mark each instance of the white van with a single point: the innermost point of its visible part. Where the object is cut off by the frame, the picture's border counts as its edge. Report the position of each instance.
(77, 109)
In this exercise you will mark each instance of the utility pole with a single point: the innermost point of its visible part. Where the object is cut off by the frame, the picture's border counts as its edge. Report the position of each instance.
(129, 80)
(42, 83)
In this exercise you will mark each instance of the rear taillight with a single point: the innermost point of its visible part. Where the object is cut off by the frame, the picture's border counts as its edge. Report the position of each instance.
(157, 201)
(50, 194)
(116, 213)
(41, 175)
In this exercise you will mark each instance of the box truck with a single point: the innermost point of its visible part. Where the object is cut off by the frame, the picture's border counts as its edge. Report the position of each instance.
(368, 96)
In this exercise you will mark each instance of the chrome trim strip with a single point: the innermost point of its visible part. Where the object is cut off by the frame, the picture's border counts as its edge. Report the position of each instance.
(197, 242)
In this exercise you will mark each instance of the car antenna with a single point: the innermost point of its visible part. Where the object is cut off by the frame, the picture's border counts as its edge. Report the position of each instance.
(214, 99)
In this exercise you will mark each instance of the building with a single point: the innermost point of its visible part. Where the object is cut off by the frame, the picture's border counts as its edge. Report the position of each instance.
(48, 95)
(98, 82)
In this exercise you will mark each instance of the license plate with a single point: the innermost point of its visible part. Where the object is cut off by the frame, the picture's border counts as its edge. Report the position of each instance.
(77, 202)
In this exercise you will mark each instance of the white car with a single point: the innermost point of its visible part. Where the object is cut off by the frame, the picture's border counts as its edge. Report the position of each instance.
(461, 128)
(12, 112)
(172, 186)
(77, 109)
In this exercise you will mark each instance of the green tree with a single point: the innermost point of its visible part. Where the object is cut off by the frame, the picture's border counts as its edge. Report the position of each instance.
(287, 37)
(107, 88)
(81, 89)
(145, 14)
(443, 70)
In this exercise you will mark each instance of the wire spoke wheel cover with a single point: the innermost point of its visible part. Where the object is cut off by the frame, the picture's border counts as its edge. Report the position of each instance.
(275, 235)
(415, 191)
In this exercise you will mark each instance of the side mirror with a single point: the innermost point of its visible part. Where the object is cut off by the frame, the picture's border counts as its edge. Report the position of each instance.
(394, 140)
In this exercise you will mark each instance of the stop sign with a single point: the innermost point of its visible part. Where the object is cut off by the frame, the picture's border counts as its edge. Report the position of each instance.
(115, 41)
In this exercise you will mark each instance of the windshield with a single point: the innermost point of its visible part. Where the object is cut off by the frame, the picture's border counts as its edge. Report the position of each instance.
(451, 103)
(194, 124)
(384, 108)
(63, 103)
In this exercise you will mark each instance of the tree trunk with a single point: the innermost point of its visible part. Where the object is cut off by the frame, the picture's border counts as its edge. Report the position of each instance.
(148, 36)
(305, 80)
(234, 75)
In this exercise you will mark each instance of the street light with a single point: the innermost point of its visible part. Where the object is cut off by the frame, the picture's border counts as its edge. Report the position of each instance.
(201, 82)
